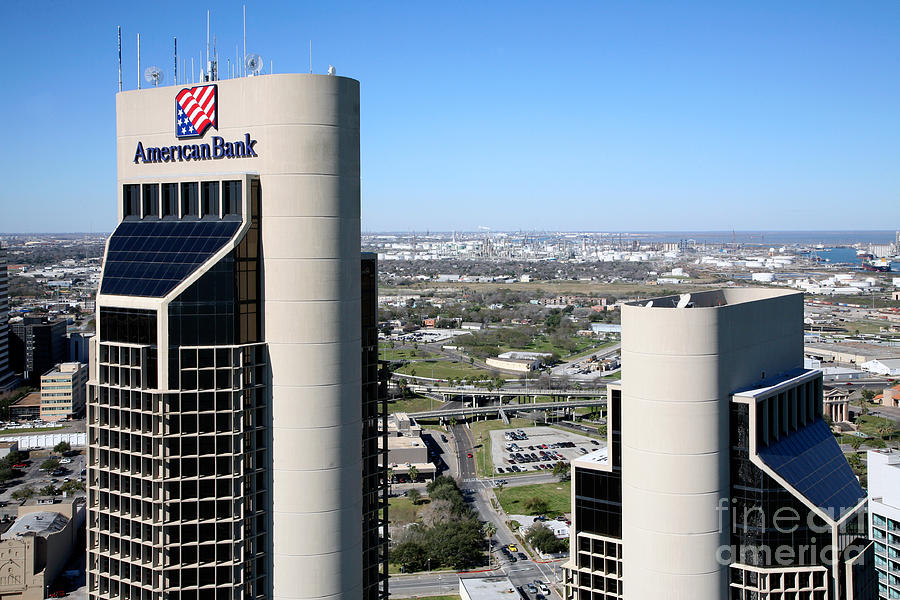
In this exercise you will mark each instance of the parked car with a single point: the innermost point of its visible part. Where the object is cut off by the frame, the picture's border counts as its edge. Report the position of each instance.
(20, 465)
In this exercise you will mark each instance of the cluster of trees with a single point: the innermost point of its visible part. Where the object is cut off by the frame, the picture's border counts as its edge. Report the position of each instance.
(448, 536)
(6, 470)
(11, 397)
(543, 538)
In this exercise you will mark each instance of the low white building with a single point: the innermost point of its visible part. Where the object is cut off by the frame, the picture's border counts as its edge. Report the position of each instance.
(487, 588)
(889, 367)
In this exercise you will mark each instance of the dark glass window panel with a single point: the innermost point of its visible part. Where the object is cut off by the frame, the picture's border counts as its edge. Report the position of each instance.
(169, 199)
(209, 198)
(190, 199)
(131, 200)
(231, 197)
(128, 326)
(151, 199)
(812, 462)
(149, 258)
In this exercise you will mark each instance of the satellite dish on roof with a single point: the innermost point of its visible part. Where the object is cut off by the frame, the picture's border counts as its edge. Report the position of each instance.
(154, 75)
(649, 304)
(684, 301)
(331, 70)
(254, 64)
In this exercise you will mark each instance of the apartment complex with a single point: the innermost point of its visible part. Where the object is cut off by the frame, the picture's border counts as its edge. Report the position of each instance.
(884, 518)
(232, 421)
(37, 343)
(63, 391)
(7, 377)
(721, 480)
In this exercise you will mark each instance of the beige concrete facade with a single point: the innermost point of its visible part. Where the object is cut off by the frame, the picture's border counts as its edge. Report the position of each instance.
(32, 554)
(63, 391)
(679, 369)
(306, 132)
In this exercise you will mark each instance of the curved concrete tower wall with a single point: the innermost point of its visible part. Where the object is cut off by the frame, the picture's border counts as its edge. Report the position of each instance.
(310, 239)
(679, 368)
(307, 132)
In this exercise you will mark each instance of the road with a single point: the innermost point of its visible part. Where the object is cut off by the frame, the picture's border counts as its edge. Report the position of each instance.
(480, 492)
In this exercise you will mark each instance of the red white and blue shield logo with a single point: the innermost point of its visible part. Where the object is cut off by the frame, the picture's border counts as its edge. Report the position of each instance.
(195, 111)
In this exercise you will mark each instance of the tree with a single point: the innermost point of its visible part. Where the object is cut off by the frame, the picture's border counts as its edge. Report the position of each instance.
(543, 538)
(865, 396)
(414, 496)
(536, 506)
(489, 529)
(49, 464)
(411, 556)
(885, 430)
(561, 470)
(70, 487)
(49, 490)
(23, 493)
(62, 447)
(413, 473)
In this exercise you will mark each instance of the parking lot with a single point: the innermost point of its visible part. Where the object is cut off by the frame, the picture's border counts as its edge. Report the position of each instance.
(539, 449)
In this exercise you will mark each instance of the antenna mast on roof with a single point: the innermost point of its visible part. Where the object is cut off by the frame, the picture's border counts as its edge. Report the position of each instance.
(176, 60)
(139, 60)
(244, 62)
(310, 57)
(120, 58)
(208, 70)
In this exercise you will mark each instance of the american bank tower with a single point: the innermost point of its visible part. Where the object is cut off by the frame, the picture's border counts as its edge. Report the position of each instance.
(225, 423)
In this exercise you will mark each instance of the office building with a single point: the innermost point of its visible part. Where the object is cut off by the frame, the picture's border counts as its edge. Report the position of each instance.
(26, 408)
(80, 347)
(229, 433)
(63, 392)
(7, 377)
(721, 480)
(374, 415)
(883, 472)
(37, 343)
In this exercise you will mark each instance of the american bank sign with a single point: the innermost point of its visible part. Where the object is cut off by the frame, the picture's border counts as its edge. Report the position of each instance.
(196, 110)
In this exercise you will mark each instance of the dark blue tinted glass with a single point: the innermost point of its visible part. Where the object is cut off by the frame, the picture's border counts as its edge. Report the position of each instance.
(150, 258)
(811, 461)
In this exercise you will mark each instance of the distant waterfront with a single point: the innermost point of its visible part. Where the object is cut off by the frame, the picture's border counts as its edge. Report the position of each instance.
(773, 238)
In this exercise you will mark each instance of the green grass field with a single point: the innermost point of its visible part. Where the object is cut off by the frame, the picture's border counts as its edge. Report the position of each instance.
(444, 369)
(558, 496)
(388, 353)
(876, 426)
(29, 431)
(413, 404)
(401, 510)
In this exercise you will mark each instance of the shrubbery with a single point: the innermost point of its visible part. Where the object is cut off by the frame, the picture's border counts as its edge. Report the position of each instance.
(455, 539)
(543, 538)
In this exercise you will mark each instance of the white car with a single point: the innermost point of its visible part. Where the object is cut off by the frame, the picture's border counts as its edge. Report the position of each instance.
(65, 461)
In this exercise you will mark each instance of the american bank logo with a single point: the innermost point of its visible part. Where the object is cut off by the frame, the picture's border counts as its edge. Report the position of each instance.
(195, 111)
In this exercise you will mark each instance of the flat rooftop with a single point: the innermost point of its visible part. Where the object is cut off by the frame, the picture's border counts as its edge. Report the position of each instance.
(41, 524)
(402, 442)
(489, 588)
(32, 399)
(714, 298)
(597, 457)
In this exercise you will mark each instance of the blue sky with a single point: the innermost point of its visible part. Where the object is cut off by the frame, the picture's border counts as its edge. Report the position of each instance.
(511, 115)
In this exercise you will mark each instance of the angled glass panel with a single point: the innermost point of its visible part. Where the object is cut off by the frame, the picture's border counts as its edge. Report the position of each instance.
(811, 461)
(150, 258)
